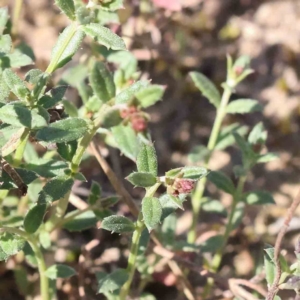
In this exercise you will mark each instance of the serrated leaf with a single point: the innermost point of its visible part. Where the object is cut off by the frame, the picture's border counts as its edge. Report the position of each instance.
(207, 88)
(150, 95)
(243, 106)
(147, 159)
(11, 244)
(16, 85)
(152, 212)
(258, 198)
(34, 218)
(66, 46)
(104, 36)
(194, 173)
(128, 94)
(102, 82)
(221, 181)
(95, 193)
(118, 224)
(126, 140)
(60, 271)
(67, 7)
(82, 222)
(142, 179)
(56, 188)
(65, 130)
(226, 138)
(111, 282)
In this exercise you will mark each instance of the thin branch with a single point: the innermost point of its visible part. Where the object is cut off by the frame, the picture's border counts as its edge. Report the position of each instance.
(249, 284)
(274, 287)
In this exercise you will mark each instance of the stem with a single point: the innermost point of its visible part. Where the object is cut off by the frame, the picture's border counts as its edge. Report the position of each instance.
(16, 16)
(44, 282)
(65, 44)
(216, 261)
(140, 225)
(21, 148)
(197, 196)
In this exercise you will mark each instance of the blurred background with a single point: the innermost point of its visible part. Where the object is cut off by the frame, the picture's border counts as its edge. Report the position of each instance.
(170, 38)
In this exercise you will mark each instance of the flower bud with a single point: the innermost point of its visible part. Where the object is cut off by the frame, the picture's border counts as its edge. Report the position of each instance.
(138, 123)
(183, 186)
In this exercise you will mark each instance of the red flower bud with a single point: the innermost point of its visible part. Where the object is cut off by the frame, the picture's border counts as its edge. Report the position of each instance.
(183, 186)
(138, 123)
(238, 70)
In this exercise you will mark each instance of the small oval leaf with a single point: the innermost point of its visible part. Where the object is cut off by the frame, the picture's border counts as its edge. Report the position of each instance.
(60, 271)
(152, 212)
(142, 179)
(118, 224)
(34, 218)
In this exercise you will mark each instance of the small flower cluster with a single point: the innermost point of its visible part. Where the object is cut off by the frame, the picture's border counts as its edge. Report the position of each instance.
(135, 117)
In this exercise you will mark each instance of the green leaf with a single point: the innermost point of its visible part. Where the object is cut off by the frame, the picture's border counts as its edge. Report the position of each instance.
(207, 88)
(214, 206)
(264, 158)
(109, 201)
(150, 95)
(60, 271)
(16, 85)
(212, 244)
(67, 150)
(147, 159)
(30, 256)
(118, 224)
(66, 46)
(67, 7)
(33, 76)
(112, 5)
(243, 106)
(258, 135)
(95, 193)
(53, 97)
(82, 222)
(102, 82)
(5, 43)
(10, 245)
(128, 94)
(168, 230)
(47, 168)
(4, 90)
(249, 156)
(19, 115)
(65, 130)
(142, 179)
(126, 140)
(3, 18)
(70, 108)
(17, 60)
(152, 212)
(56, 188)
(45, 239)
(111, 117)
(107, 17)
(258, 198)
(198, 154)
(104, 36)
(34, 217)
(14, 141)
(126, 61)
(222, 182)
(111, 282)
(238, 215)
(226, 138)
(194, 173)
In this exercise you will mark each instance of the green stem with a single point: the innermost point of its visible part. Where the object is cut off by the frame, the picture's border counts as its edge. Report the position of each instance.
(216, 261)
(198, 194)
(140, 225)
(16, 16)
(44, 282)
(21, 148)
(65, 44)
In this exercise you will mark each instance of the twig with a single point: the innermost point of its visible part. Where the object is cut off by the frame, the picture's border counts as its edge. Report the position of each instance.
(120, 189)
(235, 283)
(274, 287)
(115, 182)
